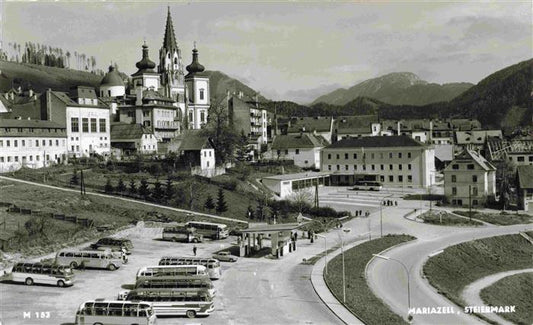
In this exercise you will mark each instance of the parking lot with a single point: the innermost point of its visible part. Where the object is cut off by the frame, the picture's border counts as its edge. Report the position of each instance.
(250, 291)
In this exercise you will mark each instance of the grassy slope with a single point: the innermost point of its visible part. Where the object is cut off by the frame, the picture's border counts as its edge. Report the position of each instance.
(359, 297)
(451, 271)
(514, 290)
(42, 77)
(503, 219)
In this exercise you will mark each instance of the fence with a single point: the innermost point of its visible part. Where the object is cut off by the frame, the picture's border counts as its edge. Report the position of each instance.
(84, 222)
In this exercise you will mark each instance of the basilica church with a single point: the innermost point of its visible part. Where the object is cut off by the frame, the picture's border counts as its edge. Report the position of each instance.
(164, 100)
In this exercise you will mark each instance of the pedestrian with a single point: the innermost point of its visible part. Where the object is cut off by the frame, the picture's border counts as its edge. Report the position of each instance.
(295, 236)
(194, 250)
(396, 203)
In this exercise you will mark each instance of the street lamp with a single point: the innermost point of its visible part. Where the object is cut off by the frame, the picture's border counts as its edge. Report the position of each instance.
(326, 252)
(346, 230)
(406, 271)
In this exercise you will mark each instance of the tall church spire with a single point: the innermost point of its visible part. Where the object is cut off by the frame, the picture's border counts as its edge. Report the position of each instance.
(169, 42)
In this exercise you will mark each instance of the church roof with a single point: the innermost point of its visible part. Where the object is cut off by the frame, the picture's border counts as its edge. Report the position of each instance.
(195, 68)
(169, 41)
(145, 65)
(112, 78)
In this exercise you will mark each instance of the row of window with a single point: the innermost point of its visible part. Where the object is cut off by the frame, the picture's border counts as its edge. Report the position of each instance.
(77, 147)
(32, 130)
(30, 143)
(469, 166)
(24, 159)
(474, 191)
(372, 167)
(521, 158)
(474, 179)
(372, 155)
(78, 138)
(96, 125)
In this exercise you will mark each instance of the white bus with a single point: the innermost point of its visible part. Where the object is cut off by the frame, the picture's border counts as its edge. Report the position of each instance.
(173, 283)
(367, 186)
(115, 312)
(171, 271)
(181, 233)
(209, 229)
(212, 265)
(97, 259)
(175, 303)
(31, 273)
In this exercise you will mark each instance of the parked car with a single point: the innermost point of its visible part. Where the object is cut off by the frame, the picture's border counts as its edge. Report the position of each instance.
(225, 257)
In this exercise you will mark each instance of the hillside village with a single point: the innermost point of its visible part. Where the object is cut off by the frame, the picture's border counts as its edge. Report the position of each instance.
(395, 201)
(168, 108)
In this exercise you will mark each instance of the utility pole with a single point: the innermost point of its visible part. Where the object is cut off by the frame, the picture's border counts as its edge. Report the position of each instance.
(470, 201)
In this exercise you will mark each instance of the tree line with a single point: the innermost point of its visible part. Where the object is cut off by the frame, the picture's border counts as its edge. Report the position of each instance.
(47, 55)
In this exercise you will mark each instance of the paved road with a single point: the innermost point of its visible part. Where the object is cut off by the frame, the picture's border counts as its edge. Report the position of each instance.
(471, 293)
(387, 278)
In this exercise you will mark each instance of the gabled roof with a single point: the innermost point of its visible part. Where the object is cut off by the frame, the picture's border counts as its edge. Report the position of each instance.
(476, 137)
(310, 124)
(355, 124)
(525, 176)
(193, 141)
(128, 131)
(377, 142)
(470, 155)
(298, 141)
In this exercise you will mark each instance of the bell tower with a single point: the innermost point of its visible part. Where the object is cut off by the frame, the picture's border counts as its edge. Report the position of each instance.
(171, 66)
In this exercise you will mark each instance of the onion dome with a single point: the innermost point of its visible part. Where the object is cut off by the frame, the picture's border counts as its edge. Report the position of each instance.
(112, 78)
(195, 67)
(145, 65)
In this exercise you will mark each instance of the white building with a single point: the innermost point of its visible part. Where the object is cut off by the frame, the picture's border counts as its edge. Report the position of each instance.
(31, 144)
(303, 148)
(85, 117)
(286, 185)
(112, 84)
(397, 161)
(130, 139)
(469, 180)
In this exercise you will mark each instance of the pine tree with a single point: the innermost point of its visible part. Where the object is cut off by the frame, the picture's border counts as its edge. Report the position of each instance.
(157, 192)
(221, 202)
(169, 189)
(108, 186)
(74, 180)
(133, 187)
(209, 204)
(143, 189)
(242, 147)
(121, 188)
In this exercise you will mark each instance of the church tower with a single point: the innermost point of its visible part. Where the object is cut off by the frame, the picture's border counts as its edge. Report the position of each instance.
(171, 66)
(197, 93)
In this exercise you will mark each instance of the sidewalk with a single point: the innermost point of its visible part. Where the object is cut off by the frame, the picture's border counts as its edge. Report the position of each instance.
(322, 290)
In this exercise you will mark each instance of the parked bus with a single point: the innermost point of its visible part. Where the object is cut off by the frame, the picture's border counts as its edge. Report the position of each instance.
(367, 186)
(175, 303)
(212, 265)
(175, 283)
(115, 244)
(182, 233)
(208, 229)
(31, 273)
(97, 259)
(115, 312)
(171, 271)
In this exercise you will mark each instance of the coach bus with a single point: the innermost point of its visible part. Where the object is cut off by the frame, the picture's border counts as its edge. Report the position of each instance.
(208, 229)
(96, 259)
(181, 233)
(175, 303)
(115, 312)
(115, 244)
(171, 271)
(176, 283)
(39, 273)
(212, 265)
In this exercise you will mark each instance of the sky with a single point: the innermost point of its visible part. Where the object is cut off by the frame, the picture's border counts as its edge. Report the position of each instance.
(290, 50)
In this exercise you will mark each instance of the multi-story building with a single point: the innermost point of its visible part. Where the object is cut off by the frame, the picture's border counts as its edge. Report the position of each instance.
(31, 144)
(475, 140)
(303, 148)
(196, 152)
(394, 160)
(469, 180)
(130, 139)
(245, 116)
(85, 117)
